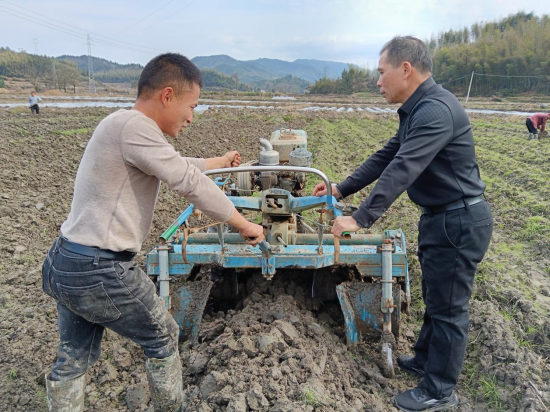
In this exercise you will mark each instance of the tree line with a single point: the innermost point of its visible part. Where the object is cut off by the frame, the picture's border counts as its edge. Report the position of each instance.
(508, 56)
(353, 80)
(41, 71)
(287, 84)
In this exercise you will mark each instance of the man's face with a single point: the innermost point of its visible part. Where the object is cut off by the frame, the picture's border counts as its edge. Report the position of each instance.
(179, 111)
(32, 94)
(391, 82)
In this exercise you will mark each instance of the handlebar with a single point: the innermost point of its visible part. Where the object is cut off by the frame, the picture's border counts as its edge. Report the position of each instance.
(277, 169)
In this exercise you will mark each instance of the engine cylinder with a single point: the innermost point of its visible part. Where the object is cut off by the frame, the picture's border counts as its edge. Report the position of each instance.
(300, 157)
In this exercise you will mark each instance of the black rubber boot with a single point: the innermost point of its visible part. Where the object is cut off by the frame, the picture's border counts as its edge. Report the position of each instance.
(66, 396)
(165, 383)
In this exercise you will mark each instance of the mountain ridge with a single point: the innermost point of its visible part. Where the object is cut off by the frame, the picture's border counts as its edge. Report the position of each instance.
(250, 71)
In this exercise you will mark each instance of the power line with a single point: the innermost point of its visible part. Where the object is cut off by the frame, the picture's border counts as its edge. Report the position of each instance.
(454, 80)
(70, 25)
(41, 24)
(172, 14)
(139, 21)
(492, 75)
(72, 33)
(109, 42)
(91, 79)
(505, 75)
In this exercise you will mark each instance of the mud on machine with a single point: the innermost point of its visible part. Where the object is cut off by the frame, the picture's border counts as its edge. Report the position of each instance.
(367, 273)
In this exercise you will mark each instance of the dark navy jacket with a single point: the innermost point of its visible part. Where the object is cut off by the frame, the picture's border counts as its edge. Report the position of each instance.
(432, 157)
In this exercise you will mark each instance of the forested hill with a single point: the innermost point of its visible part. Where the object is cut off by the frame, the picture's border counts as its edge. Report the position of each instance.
(508, 56)
(518, 45)
(39, 70)
(107, 71)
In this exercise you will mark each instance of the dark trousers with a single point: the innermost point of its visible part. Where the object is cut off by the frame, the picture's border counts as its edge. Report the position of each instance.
(450, 246)
(94, 294)
(35, 109)
(530, 126)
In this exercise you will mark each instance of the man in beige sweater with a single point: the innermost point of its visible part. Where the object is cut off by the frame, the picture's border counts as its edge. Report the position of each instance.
(90, 270)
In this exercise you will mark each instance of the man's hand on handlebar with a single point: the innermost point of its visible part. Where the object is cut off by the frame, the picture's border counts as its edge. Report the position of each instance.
(321, 189)
(344, 224)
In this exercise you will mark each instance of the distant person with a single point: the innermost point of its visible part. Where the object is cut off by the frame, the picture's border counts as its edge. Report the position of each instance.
(33, 103)
(90, 269)
(432, 157)
(536, 122)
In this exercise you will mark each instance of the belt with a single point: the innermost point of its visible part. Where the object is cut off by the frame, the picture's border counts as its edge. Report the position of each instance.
(459, 204)
(95, 251)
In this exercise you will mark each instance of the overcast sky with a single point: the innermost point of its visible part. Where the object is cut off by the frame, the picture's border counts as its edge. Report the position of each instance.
(134, 31)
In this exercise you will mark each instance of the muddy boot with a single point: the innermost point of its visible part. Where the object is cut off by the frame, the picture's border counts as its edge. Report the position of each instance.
(530, 134)
(165, 383)
(66, 396)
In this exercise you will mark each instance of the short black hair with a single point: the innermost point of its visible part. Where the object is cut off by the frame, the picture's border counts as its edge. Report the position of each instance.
(408, 49)
(169, 70)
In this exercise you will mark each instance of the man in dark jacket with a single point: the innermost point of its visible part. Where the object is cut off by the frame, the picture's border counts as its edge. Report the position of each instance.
(432, 157)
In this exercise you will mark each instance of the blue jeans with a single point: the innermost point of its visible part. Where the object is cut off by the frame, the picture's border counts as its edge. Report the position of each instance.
(450, 246)
(94, 295)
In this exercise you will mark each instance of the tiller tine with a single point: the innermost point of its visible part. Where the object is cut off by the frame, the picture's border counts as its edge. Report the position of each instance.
(361, 305)
(188, 305)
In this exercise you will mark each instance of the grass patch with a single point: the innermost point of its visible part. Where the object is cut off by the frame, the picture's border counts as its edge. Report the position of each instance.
(73, 131)
(41, 394)
(522, 343)
(12, 374)
(481, 386)
(507, 315)
(310, 399)
(488, 388)
(534, 226)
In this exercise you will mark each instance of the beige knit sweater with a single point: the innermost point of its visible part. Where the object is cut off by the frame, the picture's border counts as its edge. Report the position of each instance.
(118, 180)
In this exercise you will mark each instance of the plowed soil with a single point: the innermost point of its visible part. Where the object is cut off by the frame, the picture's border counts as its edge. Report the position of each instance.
(278, 349)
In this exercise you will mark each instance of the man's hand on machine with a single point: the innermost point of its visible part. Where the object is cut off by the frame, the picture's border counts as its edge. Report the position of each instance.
(232, 159)
(252, 234)
(344, 224)
(321, 189)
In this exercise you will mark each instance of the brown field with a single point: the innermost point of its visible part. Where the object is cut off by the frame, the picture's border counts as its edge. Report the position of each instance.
(507, 366)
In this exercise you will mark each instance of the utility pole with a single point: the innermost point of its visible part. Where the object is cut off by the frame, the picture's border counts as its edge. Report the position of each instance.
(91, 80)
(471, 80)
(54, 72)
(35, 41)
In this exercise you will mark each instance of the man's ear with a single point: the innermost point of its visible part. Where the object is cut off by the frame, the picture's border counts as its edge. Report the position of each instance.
(166, 96)
(407, 70)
